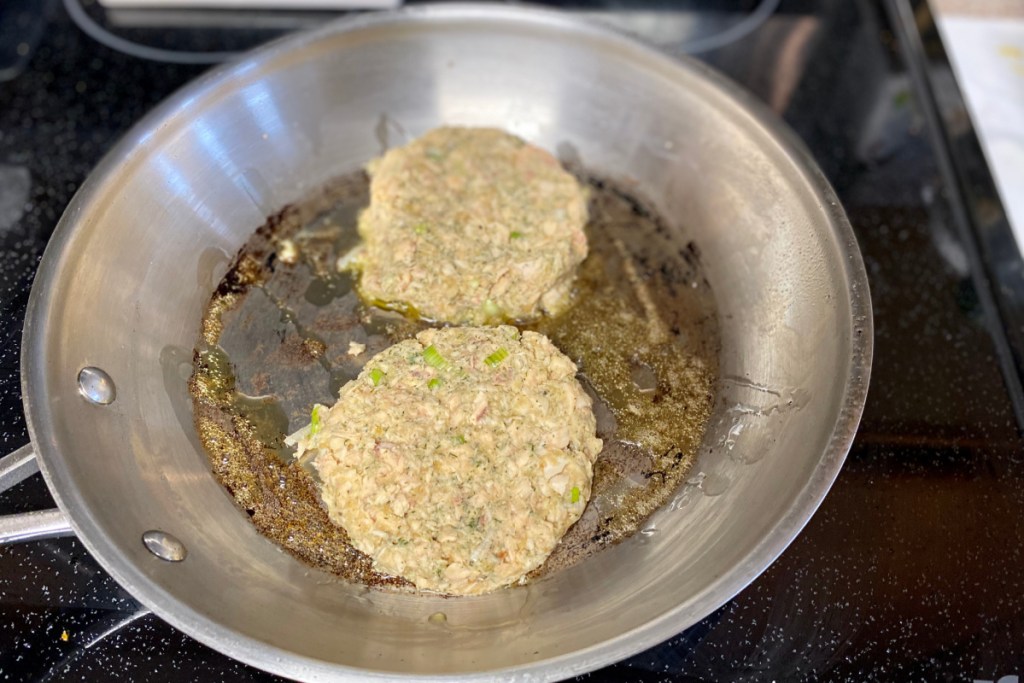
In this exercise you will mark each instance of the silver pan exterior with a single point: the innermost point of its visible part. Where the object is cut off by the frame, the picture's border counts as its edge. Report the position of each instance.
(127, 274)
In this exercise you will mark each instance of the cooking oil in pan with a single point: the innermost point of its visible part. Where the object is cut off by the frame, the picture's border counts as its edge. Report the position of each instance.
(284, 331)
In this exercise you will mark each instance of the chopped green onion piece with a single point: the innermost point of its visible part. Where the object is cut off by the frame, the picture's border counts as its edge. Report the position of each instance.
(514, 235)
(434, 383)
(420, 229)
(459, 439)
(434, 153)
(433, 358)
(575, 494)
(491, 309)
(314, 421)
(496, 357)
(376, 375)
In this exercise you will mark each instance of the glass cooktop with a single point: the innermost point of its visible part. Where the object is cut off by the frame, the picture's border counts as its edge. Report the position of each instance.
(911, 570)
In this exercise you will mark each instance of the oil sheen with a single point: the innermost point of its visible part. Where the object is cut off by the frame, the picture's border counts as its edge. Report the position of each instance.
(275, 339)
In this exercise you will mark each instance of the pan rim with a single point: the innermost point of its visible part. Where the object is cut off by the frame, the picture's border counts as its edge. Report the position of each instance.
(269, 657)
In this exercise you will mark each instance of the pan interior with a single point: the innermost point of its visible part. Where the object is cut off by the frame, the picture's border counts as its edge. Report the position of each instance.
(148, 238)
(276, 339)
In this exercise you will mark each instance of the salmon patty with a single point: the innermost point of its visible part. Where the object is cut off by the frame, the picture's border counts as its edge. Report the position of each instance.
(471, 225)
(457, 459)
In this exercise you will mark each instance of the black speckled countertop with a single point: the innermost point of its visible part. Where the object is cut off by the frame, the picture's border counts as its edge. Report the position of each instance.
(911, 570)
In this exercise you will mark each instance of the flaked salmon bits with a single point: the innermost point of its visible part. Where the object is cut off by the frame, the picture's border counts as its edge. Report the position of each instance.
(458, 459)
(471, 225)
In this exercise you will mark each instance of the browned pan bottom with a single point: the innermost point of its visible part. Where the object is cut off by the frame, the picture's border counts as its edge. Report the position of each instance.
(275, 339)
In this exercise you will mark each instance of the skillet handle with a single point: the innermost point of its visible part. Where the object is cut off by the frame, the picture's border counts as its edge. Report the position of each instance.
(27, 526)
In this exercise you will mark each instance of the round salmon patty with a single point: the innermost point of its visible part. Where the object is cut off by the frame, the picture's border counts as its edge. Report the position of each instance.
(471, 225)
(458, 459)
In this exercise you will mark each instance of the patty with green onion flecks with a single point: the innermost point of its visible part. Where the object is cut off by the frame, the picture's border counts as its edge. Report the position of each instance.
(457, 459)
(471, 225)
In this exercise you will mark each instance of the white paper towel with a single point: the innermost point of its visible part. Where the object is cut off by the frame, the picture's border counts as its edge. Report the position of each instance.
(987, 54)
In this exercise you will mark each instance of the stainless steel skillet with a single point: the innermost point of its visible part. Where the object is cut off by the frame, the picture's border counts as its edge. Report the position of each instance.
(125, 278)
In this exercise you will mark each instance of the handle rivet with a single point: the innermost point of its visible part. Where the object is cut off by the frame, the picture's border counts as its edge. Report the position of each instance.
(96, 386)
(164, 545)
